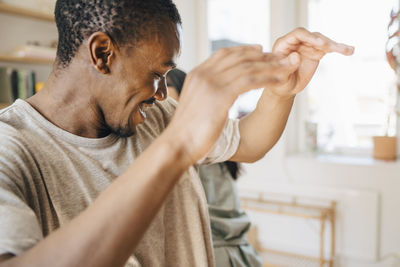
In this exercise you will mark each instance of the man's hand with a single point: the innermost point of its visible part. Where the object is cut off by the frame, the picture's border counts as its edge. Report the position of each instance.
(307, 48)
(261, 129)
(210, 90)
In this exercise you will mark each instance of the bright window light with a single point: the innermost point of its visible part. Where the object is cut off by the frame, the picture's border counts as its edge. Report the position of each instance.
(352, 98)
(233, 23)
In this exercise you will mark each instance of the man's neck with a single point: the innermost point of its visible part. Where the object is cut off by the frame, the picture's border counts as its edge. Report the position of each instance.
(66, 102)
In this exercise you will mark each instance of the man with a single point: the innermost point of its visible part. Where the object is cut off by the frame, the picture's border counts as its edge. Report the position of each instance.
(74, 190)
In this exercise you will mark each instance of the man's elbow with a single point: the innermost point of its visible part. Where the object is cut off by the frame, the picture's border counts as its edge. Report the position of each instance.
(255, 158)
(249, 158)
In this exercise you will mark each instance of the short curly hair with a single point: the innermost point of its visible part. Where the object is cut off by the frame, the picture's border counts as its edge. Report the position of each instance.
(123, 20)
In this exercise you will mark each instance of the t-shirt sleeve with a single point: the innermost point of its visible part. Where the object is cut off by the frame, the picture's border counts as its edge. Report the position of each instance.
(169, 107)
(19, 226)
(226, 145)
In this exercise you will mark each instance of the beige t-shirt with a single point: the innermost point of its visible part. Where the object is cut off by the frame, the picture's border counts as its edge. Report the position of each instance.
(48, 176)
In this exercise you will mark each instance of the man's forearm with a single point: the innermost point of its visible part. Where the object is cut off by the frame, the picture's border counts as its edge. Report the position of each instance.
(261, 129)
(108, 231)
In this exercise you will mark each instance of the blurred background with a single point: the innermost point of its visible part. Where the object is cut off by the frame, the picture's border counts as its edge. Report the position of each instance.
(327, 194)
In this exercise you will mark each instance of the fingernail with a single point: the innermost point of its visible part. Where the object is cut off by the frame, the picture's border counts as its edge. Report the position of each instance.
(349, 47)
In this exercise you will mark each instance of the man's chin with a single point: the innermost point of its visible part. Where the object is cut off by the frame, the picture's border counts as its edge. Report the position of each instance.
(129, 129)
(124, 132)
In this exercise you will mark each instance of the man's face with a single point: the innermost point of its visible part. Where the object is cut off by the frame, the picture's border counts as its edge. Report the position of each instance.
(138, 80)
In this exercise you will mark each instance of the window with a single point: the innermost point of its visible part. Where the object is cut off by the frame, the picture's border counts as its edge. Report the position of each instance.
(352, 98)
(233, 23)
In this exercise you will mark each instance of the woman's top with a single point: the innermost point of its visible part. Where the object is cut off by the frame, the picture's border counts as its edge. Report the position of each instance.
(229, 223)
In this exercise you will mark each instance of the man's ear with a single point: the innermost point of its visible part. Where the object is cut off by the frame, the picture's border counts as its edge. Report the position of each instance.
(101, 51)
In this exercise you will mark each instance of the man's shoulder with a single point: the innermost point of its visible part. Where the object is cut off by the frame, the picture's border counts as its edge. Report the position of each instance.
(11, 139)
(11, 128)
(14, 154)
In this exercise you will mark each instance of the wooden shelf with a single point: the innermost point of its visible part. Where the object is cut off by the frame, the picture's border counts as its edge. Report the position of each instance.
(25, 60)
(4, 105)
(24, 12)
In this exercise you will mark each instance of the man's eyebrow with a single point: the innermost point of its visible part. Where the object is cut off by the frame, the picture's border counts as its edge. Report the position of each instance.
(170, 63)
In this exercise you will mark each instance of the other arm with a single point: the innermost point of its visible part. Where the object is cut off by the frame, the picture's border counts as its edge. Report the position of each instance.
(103, 234)
(262, 128)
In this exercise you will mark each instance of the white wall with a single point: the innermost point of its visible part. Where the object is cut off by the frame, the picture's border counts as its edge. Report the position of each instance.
(316, 175)
(194, 29)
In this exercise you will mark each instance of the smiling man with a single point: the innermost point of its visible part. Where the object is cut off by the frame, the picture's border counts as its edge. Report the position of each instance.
(93, 170)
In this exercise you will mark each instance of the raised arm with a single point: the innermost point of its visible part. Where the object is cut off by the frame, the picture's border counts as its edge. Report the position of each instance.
(262, 128)
(107, 232)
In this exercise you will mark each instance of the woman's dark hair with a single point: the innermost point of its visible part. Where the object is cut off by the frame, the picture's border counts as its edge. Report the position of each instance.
(234, 168)
(176, 78)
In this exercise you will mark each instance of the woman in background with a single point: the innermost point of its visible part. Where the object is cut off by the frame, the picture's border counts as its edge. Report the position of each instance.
(229, 224)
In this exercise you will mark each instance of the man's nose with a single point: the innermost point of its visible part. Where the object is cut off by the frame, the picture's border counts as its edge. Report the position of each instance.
(162, 90)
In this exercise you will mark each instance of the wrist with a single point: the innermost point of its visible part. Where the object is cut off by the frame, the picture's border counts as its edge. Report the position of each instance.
(271, 100)
(279, 97)
(176, 145)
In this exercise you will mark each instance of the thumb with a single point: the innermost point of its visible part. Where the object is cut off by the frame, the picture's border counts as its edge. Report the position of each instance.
(291, 62)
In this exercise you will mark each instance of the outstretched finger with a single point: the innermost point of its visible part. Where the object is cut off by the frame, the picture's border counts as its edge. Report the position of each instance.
(329, 45)
(301, 36)
(311, 52)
